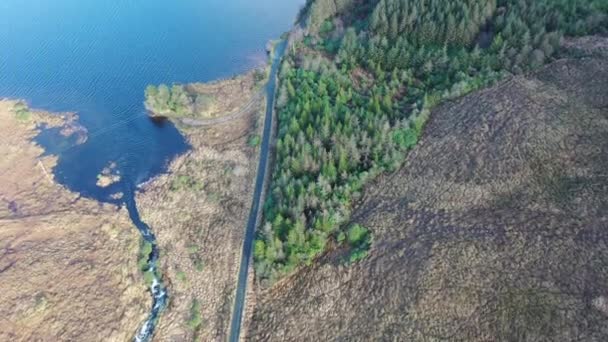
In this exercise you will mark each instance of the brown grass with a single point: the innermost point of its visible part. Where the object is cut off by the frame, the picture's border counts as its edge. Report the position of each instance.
(199, 213)
(227, 96)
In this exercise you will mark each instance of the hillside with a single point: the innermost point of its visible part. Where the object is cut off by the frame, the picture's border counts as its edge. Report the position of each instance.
(357, 87)
(494, 228)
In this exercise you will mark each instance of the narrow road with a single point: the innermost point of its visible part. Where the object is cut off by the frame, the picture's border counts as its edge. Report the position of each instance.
(241, 289)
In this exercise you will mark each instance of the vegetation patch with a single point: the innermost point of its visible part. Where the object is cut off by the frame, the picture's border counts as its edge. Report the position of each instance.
(149, 277)
(193, 249)
(194, 254)
(174, 100)
(181, 276)
(195, 320)
(22, 112)
(359, 239)
(205, 100)
(144, 255)
(184, 182)
(254, 140)
(198, 264)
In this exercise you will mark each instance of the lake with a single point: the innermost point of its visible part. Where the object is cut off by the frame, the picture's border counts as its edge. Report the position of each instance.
(96, 58)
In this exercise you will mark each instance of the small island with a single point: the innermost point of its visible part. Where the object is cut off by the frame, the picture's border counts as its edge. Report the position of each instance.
(108, 176)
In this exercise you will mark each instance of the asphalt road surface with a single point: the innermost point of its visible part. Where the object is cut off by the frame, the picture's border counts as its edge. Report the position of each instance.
(241, 289)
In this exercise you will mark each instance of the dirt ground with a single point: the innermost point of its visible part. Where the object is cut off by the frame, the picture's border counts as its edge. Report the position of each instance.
(495, 229)
(222, 94)
(199, 212)
(68, 268)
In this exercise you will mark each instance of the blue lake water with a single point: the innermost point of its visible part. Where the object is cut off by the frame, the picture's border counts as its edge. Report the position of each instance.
(96, 57)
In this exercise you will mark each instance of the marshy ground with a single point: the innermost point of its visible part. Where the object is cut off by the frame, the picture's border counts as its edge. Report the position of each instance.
(199, 211)
(67, 264)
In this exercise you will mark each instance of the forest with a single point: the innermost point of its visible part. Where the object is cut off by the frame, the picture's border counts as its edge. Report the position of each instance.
(356, 91)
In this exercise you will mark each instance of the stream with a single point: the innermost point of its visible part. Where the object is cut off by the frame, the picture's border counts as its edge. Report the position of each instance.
(157, 289)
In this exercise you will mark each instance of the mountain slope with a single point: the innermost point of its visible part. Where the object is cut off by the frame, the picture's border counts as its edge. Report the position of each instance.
(356, 89)
(494, 229)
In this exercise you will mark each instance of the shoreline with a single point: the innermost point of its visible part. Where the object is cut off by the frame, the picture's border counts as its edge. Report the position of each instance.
(68, 126)
(223, 143)
(46, 221)
(72, 127)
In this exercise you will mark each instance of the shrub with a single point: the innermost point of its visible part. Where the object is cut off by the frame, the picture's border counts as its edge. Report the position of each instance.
(360, 240)
(195, 320)
(169, 101)
(181, 275)
(22, 112)
(198, 264)
(149, 278)
(254, 140)
(145, 250)
(23, 115)
(193, 249)
(183, 182)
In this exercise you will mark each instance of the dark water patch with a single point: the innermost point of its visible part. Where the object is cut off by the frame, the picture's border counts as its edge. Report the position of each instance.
(54, 142)
(79, 165)
(484, 39)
